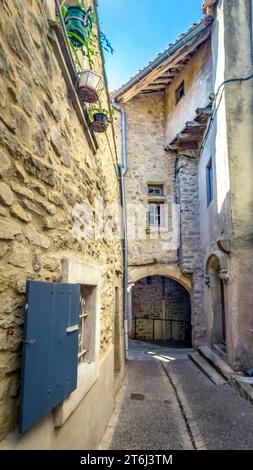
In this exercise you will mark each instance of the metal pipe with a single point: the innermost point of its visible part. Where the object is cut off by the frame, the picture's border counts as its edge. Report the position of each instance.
(122, 171)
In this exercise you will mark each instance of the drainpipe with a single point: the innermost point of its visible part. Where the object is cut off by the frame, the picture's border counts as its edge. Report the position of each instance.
(122, 172)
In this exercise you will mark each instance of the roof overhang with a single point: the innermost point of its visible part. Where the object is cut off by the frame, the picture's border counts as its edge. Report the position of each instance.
(191, 136)
(160, 73)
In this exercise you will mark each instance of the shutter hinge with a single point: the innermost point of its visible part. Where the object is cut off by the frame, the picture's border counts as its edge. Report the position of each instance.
(29, 341)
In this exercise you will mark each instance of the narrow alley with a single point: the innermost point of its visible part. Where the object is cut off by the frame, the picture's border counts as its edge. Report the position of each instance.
(126, 219)
(168, 403)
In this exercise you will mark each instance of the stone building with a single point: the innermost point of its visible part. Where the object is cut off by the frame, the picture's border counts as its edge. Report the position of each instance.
(55, 174)
(186, 122)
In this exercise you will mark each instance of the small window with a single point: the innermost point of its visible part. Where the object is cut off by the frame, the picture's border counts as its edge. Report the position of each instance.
(86, 324)
(180, 92)
(156, 214)
(155, 190)
(209, 181)
(82, 350)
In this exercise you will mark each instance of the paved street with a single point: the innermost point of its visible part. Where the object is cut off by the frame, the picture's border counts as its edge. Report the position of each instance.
(168, 403)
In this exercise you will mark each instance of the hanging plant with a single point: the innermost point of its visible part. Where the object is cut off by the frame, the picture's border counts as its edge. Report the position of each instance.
(78, 23)
(99, 118)
(87, 86)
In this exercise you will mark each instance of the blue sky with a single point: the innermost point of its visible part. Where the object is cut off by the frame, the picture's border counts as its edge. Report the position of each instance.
(139, 29)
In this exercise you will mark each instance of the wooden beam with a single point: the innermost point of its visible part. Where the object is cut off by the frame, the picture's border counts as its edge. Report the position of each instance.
(166, 77)
(175, 70)
(194, 125)
(204, 111)
(168, 63)
(189, 137)
(162, 82)
(188, 145)
(154, 86)
(175, 147)
(148, 92)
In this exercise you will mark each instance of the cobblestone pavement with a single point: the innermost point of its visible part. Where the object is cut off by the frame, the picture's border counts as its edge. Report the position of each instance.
(167, 403)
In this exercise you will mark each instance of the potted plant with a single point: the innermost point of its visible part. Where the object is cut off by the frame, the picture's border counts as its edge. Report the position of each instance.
(78, 22)
(99, 118)
(87, 86)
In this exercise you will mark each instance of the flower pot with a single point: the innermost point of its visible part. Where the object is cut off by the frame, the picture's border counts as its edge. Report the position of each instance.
(78, 22)
(100, 122)
(88, 83)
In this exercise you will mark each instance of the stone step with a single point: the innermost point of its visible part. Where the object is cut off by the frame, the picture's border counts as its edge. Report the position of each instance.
(208, 370)
(245, 387)
(219, 351)
(219, 364)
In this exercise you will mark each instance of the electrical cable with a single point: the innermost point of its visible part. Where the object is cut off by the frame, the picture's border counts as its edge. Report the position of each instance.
(211, 120)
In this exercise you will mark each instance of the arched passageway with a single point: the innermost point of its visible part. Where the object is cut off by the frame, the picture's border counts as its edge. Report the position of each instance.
(161, 311)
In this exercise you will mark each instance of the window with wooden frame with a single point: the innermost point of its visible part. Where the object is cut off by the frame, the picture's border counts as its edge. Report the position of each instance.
(180, 92)
(156, 214)
(156, 205)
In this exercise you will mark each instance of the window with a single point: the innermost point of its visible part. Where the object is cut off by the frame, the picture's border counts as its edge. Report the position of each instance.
(180, 92)
(82, 350)
(86, 324)
(155, 190)
(90, 280)
(156, 214)
(156, 200)
(209, 181)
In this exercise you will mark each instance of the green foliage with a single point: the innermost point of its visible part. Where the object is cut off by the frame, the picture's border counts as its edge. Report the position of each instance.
(88, 46)
(98, 109)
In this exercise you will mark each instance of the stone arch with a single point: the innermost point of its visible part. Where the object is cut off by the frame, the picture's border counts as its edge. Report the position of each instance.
(173, 272)
(217, 277)
(217, 260)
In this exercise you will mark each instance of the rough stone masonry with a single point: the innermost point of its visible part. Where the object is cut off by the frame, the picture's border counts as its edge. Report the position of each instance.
(46, 169)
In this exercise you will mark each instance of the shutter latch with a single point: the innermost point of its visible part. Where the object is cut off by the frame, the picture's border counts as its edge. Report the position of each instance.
(70, 329)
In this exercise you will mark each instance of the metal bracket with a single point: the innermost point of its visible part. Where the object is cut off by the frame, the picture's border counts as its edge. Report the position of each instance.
(29, 341)
(70, 329)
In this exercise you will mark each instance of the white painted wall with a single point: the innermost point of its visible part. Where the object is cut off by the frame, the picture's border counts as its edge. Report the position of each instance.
(197, 77)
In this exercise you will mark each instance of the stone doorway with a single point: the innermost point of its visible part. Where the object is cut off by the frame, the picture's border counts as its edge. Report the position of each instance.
(218, 301)
(161, 312)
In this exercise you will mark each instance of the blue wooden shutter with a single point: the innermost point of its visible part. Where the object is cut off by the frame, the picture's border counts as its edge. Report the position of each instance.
(50, 348)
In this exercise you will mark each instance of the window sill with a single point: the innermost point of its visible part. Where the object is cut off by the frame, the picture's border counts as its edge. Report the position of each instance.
(156, 198)
(155, 229)
(87, 376)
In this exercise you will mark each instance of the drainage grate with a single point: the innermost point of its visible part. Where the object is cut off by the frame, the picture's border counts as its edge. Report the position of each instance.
(137, 396)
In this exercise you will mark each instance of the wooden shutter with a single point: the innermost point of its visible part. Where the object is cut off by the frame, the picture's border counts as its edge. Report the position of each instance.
(50, 348)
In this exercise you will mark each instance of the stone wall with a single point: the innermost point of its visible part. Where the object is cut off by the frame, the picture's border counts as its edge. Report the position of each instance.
(147, 163)
(228, 219)
(48, 170)
(147, 299)
(190, 253)
(163, 298)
